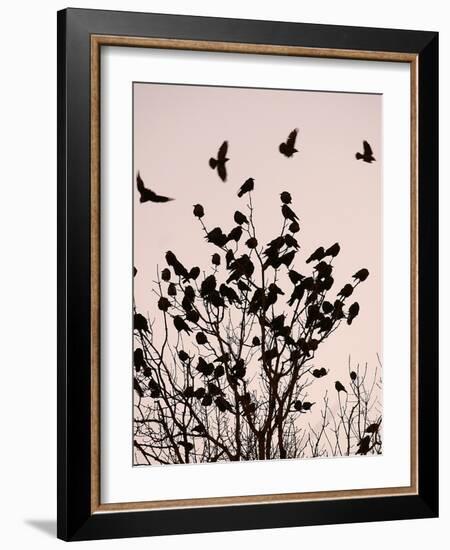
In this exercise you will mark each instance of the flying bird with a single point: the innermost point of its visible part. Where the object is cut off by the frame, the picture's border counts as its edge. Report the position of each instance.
(246, 187)
(288, 148)
(147, 194)
(367, 156)
(220, 161)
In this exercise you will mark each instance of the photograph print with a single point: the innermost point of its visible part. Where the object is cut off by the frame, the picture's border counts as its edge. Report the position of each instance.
(257, 274)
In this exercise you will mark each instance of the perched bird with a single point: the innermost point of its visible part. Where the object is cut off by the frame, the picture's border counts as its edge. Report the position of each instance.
(288, 213)
(140, 323)
(229, 257)
(294, 227)
(222, 358)
(353, 376)
(215, 259)
(364, 445)
(317, 255)
(272, 295)
(217, 236)
(333, 250)
(177, 266)
(339, 387)
(242, 286)
(207, 400)
(208, 285)
(139, 360)
(241, 267)
(306, 405)
(285, 197)
(252, 242)
(327, 308)
(199, 211)
(180, 324)
(287, 258)
(222, 404)
(193, 316)
(155, 389)
(220, 161)
(163, 303)
(346, 291)
(147, 194)
(367, 156)
(288, 148)
(256, 302)
(172, 289)
(229, 293)
(361, 275)
(204, 368)
(183, 356)
(295, 277)
(240, 218)
(353, 311)
(188, 446)
(219, 371)
(296, 295)
(246, 187)
(291, 242)
(201, 338)
(372, 428)
(199, 429)
(256, 341)
(235, 234)
(319, 373)
(194, 273)
(165, 274)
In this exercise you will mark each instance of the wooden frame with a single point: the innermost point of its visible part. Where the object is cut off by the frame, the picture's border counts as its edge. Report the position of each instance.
(81, 34)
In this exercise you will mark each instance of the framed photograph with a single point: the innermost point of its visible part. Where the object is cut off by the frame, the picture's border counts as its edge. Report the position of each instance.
(248, 297)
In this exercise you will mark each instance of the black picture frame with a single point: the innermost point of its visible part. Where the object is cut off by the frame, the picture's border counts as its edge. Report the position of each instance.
(76, 520)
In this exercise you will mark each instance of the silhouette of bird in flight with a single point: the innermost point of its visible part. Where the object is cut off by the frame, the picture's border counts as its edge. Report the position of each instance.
(147, 194)
(288, 148)
(367, 156)
(339, 387)
(220, 161)
(361, 275)
(246, 187)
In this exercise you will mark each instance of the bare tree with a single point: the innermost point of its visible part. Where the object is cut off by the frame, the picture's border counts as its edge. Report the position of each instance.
(227, 377)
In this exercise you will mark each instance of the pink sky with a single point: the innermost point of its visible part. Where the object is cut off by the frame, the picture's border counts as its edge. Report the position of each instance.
(177, 128)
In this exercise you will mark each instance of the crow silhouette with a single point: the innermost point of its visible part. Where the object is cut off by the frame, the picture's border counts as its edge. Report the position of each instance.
(165, 274)
(229, 293)
(208, 286)
(242, 286)
(199, 211)
(215, 259)
(364, 445)
(217, 236)
(163, 304)
(139, 361)
(361, 275)
(183, 355)
(246, 187)
(140, 323)
(235, 234)
(296, 295)
(288, 213)
(180, 324)
(147, 194)
(353, 311)
(291, 242)
(194, 273)
(220, 161)
(240, 218)
(172, 289)
(339, 387)
(288, 148)
(285, 197)
(367, 156)
(193, 316)
(294, 227)
(241, 267)
(201, 338)
(317, 255)
(346, 291)
(353, 376)
(333, 250)
(177, 266)
(295, 277)
(252, 242)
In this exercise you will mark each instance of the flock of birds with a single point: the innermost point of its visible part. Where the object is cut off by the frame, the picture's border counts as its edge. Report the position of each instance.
(218, 163)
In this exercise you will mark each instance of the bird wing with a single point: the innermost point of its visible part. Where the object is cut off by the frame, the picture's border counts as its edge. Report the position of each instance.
(367, 148)
(292, 137)
(140, 184)
(223, 151)
(222, 171)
